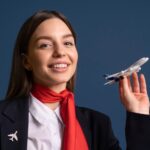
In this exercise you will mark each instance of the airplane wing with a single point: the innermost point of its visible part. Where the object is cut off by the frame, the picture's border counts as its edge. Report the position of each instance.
(110, 82)
(10, 135)
(115, 75)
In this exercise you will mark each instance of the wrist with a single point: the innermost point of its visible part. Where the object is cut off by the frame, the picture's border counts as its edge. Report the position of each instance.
(144, 111)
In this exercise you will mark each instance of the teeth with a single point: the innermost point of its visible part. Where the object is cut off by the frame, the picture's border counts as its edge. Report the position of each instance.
(60, 66)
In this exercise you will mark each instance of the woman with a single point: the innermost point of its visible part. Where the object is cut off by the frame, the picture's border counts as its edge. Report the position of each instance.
(39, 111)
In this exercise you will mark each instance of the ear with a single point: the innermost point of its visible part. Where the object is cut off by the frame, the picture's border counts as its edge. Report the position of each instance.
(26, 62)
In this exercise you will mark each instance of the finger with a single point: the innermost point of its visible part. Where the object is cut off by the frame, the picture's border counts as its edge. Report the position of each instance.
(120, 88)
(126, 85)
(143, 84)
(136, 85)
(129, 83)
(122, 91)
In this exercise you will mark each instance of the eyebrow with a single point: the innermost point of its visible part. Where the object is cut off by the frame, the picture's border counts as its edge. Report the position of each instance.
(50, 38)
(68, 35)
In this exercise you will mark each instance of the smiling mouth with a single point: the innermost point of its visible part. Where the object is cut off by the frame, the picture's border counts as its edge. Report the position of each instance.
(58, 66)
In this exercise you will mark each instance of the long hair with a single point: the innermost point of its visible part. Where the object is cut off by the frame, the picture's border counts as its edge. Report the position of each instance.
(21, 81)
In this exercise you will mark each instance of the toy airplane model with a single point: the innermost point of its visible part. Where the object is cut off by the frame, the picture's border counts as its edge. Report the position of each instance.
(136, 67)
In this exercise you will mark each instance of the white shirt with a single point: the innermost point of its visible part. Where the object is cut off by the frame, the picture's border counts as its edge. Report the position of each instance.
(45, 128)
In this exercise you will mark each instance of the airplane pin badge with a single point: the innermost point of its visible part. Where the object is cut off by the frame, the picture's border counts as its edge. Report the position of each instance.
(13, 136)
(136, 67)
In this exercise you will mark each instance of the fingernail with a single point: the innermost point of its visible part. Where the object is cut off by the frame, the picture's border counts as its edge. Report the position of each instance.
(121, 77)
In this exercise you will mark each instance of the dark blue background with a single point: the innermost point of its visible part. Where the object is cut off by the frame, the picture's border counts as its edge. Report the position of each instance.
(111, 36)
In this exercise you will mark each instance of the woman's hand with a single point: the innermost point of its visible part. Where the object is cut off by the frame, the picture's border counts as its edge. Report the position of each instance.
(134, 96)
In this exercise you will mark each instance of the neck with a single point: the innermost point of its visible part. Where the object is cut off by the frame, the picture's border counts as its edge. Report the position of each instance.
(56, 87)
(52, 106)
(48, 96)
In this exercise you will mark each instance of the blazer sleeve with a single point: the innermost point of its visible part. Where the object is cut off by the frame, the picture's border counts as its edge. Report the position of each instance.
(137, 131)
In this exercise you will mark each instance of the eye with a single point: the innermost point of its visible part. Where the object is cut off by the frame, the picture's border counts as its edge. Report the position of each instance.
(45, 46)
(68, 44)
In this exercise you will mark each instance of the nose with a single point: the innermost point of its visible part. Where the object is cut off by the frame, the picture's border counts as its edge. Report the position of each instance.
(59, 51)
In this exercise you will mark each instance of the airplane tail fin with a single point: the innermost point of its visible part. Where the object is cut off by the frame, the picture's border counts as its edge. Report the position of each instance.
(105, 75)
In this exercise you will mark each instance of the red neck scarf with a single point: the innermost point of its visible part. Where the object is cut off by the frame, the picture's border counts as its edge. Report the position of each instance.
(73, 138)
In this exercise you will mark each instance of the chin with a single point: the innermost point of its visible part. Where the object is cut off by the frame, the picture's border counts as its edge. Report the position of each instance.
(61, 79)
(61, 82)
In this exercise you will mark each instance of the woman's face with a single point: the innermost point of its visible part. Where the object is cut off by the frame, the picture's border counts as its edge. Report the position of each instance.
(52, 55)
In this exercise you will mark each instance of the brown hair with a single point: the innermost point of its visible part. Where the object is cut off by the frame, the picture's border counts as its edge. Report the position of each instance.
(20, 83)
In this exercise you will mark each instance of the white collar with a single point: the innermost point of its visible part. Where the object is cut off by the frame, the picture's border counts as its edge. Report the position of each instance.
(41, 112)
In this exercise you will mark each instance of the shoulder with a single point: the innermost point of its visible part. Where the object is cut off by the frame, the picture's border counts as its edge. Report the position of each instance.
(91, 112)
(6, 102)
(97, 126)
(93, 116)
(13, 106)
(3, 104)
(3, 107)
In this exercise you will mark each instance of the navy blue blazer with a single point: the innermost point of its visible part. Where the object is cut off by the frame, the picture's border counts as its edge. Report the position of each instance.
(95, 125)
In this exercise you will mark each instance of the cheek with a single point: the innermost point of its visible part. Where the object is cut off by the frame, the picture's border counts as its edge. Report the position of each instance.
(36, 65)
(36, 62)
(39, 59)
(74, 56)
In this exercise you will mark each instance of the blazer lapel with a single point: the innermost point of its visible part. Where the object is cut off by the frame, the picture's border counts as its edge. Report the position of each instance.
(14, 129)
(84, 125)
